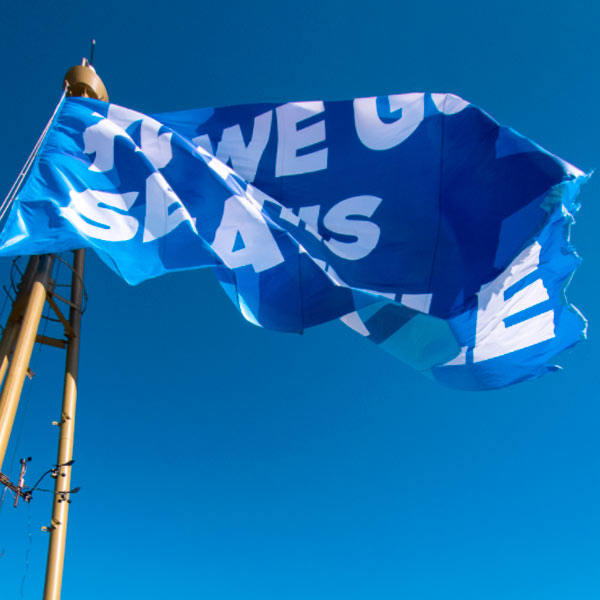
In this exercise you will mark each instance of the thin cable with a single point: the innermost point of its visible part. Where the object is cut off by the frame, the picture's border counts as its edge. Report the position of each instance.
(25, 397)
(6, 297)
(10, 196)
(20, 178)
(35, 486)
(73, 491)
(27, 551)
(47, 308)
(32, 155)
(2, 498)
(25, 167)
(52, 470)
(16, 186)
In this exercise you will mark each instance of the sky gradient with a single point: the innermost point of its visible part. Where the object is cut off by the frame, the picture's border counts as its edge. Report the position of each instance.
(221, 461)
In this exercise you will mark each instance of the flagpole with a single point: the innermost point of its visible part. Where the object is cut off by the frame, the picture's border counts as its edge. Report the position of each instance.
(19, 335)
(82, 81)
(25, 340)
(13, 322)
(62, 474)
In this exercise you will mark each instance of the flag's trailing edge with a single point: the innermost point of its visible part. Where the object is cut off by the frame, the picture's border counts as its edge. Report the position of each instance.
(415, 218)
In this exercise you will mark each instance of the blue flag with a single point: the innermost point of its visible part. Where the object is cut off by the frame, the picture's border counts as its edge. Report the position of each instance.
(415, 219)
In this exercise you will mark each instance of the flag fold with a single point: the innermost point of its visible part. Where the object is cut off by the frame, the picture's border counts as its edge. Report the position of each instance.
(416, 219)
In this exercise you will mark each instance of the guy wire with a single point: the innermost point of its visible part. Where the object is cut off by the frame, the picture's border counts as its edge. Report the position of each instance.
(16, 186)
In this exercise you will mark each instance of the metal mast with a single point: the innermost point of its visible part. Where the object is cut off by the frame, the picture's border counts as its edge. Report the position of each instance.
(16, 345)
(80, 80)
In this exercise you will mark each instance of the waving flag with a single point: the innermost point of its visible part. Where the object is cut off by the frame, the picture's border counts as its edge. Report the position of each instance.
(415, 218)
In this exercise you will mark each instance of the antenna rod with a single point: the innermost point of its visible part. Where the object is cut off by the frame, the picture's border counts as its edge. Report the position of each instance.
(21, 483)
(91, 61)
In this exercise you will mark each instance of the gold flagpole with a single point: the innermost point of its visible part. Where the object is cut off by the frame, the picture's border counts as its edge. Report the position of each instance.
(13, 323)
(24, 319)
(62, 474)
(16, 346)
(81, 81)
(25, 340)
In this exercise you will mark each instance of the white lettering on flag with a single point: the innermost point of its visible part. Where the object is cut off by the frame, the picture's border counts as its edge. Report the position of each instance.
(309, 215)
(379, 135)
(160, 216)
(365, 232)
(96, 214)
(292, 139)
(100, 138)
(245, 159)
(242, 221)
(493, 337)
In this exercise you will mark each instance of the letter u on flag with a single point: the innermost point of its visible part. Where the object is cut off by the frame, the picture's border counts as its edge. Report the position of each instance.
(416, 219)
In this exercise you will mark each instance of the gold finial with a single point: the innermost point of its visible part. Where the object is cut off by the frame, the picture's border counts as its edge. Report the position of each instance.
(82, 81)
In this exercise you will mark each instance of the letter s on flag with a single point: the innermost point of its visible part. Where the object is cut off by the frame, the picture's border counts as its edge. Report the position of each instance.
(96, 215)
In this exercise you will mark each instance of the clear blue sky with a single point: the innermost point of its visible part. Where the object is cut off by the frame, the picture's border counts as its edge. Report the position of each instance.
(221, 461)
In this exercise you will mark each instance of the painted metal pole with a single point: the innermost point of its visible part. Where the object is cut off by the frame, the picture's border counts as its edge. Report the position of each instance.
(11, 392)
(81, 81)
(13, 323)
(60, 508)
